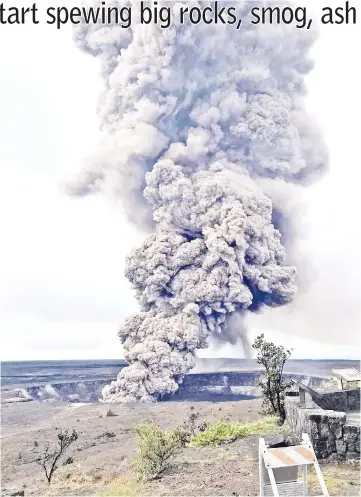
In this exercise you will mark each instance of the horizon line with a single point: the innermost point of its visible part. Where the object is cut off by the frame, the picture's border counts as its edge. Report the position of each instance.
(201, 358)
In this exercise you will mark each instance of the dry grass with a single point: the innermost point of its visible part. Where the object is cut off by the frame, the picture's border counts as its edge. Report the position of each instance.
(73, 480)
(340, 479)
(125, 486)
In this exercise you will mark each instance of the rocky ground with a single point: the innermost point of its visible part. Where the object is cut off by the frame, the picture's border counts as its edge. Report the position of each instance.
(103, 454)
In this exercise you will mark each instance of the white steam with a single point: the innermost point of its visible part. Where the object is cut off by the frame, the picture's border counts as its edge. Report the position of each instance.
(204, 138)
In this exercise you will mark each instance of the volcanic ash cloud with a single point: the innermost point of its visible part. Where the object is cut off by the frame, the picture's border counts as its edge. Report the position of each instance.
(204, 137)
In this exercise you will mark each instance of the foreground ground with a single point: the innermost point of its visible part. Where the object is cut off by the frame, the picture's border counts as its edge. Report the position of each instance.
(103, 454)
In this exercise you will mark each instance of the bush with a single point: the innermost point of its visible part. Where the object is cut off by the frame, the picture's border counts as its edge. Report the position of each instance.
(329, 384)
(333, 384)
(191, 426)
(273, 385)
(156, 449)
(222, 432)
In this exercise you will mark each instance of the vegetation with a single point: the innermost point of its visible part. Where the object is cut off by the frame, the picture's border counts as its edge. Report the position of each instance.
(330, 384)
(272, 384)
(340, 479)
(353, 384)
(49, 460)
(333, 384)
(125, 486)
(222, 431)
(191, 426)
(156, 449)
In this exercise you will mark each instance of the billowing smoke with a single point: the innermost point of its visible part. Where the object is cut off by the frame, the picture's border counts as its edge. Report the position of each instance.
(205, 138)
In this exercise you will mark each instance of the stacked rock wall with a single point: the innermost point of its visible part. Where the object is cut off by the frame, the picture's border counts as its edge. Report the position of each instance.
(332, 438)
(341, 400)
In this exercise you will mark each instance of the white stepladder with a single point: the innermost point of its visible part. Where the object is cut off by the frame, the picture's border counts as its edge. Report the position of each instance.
(278, 469)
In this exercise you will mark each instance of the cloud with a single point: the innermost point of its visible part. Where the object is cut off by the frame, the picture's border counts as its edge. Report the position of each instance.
(46, 296)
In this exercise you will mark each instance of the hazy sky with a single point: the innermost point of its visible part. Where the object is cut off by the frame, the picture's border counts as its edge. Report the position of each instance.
(62, 289)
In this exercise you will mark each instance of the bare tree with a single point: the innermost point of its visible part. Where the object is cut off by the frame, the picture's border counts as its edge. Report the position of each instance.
(49, 459)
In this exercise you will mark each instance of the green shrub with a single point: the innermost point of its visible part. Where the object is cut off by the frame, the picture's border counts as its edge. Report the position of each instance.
(330, 384)
(333, 384)
(222, 431)
(156, 449)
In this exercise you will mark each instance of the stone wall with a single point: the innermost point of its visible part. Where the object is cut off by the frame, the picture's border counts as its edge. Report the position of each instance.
(342, 400)
(332, 438)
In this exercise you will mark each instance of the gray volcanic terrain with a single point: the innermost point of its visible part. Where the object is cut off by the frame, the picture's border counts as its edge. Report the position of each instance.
(83, 381)
(107, 446)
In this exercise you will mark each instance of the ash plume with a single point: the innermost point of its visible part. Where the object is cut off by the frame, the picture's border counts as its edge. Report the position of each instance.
(204, 138)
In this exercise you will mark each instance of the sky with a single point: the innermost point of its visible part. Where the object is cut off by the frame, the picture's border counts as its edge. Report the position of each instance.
(62, 290)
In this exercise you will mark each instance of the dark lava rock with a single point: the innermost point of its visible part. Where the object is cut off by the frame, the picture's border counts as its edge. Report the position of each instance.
(276, 441)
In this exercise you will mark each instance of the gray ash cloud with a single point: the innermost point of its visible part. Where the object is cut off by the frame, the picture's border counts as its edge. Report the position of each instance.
(206, 139)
